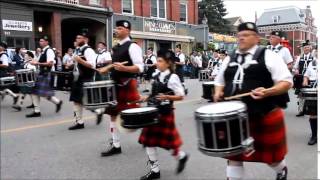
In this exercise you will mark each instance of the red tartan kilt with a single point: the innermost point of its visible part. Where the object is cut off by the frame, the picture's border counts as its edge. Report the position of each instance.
(164, 134)
(125, 94)
(269, 135)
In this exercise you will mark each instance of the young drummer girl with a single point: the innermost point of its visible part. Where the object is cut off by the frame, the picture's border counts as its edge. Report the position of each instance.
(166, 88)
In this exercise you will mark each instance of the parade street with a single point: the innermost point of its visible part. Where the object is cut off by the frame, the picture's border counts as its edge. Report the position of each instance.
(44, 148)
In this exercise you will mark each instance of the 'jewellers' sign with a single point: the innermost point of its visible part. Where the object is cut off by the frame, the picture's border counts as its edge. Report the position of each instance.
(159, 26)
(16, 25)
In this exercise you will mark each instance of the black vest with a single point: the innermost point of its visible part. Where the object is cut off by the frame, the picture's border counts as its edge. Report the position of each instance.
(256, 75)
(157, 88)
(84, 72)
(121, 54)
(303, 64)
(148, 60)
(44, 70)
(276, 50)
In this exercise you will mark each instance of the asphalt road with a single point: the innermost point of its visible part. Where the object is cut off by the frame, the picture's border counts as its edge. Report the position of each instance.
(43, 148)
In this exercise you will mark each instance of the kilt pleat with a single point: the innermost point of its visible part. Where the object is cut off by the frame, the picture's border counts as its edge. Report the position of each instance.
(42, 86)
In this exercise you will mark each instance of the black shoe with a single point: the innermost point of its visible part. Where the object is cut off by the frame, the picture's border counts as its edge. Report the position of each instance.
(151, 175)
(15, 100)
(58, 106)
(283, 174)
(31, 106)
(99, 118)
(182, 164)
(300, 114)
(76, 126)
(111, 150)
(16, 107)
(34, 114)
(312, 141)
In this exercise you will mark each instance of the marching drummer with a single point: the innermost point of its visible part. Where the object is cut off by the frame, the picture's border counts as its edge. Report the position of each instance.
(4, 70)
(42, 86)
(299, 69)
(215, 59)
(275, 46)
(125, 77)
(222, 56)
(166, 87)
(263, 73)
(311, 80)
(150, 64)
(85, 62)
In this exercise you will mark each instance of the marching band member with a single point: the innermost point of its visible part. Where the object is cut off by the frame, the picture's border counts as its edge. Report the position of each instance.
(299, 69)
(85, 62)
(150, 64)
(222, 56)
(125, 77)
(275, 46)
(263, 73)
(166, 87)
(42, 86)
(4, 71)
(24, 90)
(311, 80)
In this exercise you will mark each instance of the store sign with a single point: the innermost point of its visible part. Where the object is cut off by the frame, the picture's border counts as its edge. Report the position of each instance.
(16, 25)
(159, 26)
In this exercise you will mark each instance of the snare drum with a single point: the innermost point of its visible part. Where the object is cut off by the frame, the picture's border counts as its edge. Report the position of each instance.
(139, 117)
(310, 96)
(98, 94)
(25, 77)
(204, 75)
(61, 81)
(7, 81)
(207, 90)
(223, 129)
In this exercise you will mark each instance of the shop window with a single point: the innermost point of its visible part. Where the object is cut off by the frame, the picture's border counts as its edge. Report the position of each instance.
(183, 12)
(127, 6)
(14, 42)
(158, 9)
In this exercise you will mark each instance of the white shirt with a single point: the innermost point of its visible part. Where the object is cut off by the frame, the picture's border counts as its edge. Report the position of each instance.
(90, 55)
(198, 60)
(135, 53)
(284, 54)
(104, 57)
(4, 59)
(218, 66)
(277, 68)
(305, 56)
(153, 59)
(67, 59)
(182, 57)
(50, 54)
(311, 72)
(174, 82)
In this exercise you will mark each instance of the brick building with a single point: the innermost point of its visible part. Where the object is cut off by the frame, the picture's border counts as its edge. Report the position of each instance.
(155, 23)
(298, 25)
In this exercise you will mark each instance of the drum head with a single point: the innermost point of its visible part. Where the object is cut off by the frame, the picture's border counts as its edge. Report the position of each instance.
(222, 107)
(139, 110)
(209, 83)
(121, 129)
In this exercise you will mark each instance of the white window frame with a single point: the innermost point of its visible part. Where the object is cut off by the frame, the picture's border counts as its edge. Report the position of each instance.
(186, 4)
(158, 10)
(95, 3)
(132, 8)
(275, 19)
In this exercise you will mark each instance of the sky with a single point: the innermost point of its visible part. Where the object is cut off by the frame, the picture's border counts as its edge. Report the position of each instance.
(246, 9)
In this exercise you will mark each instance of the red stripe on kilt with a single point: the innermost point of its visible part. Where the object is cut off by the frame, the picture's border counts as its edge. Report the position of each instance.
(269, 135)
(125, 94)
(164, 134)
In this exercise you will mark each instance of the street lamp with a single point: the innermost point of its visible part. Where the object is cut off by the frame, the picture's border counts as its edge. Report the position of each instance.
(204, 22)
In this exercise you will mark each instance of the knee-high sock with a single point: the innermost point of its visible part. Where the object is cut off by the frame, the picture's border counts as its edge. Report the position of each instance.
(115, 134)
(99, 111)
(152, 155)
(278, 167)
(78, 113)
(313, 125)
(8, 91)
(178, 154)
(54, 100)
(36, 102)
(20, 99)
(235, 170)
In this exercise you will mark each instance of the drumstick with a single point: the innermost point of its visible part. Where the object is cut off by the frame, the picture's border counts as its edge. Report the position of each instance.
(109, 67)
(243, 95)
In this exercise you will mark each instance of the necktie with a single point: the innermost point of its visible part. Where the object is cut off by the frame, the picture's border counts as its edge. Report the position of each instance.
(243, 56)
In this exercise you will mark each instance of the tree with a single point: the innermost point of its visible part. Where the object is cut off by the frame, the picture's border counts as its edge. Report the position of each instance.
(214, 10)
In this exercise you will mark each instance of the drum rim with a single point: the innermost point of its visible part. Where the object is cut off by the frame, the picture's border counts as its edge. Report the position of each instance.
(156, 121)
(24, 70)
(230, 117)
(152, 110)
(208, 83)
(8, 78)
(244, 108)
(309, 90)
(105, 82)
